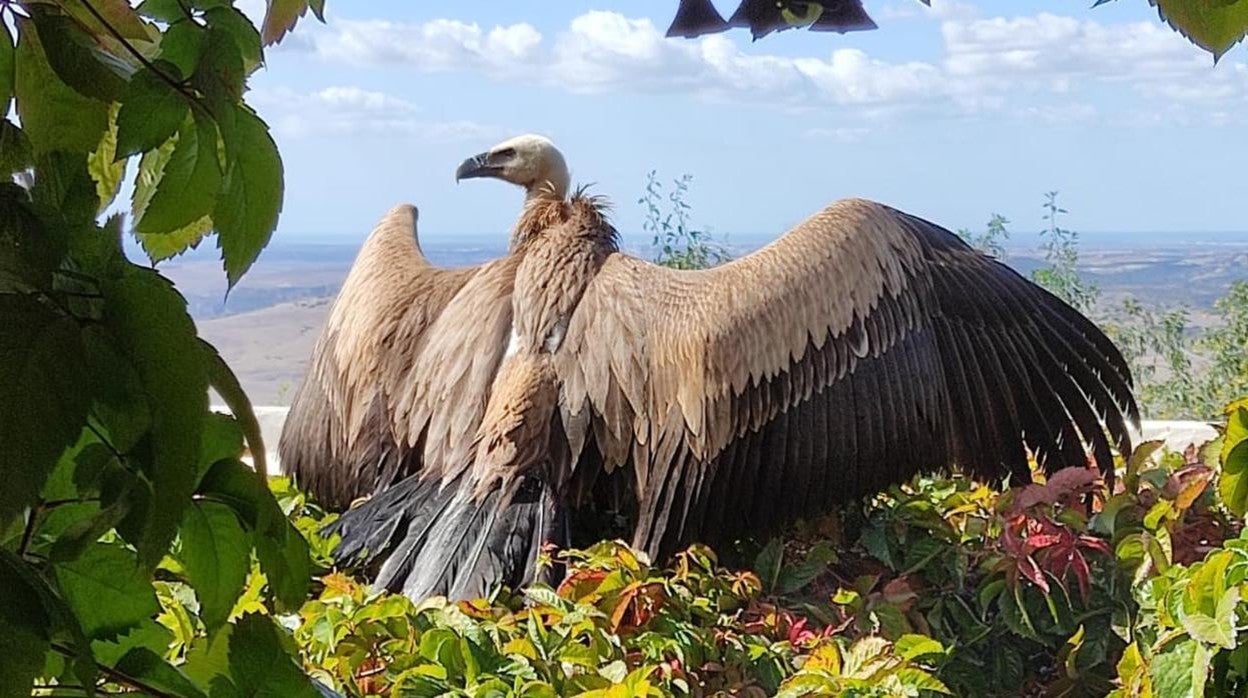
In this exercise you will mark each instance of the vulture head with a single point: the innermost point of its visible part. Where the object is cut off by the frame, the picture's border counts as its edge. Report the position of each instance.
(528, 161)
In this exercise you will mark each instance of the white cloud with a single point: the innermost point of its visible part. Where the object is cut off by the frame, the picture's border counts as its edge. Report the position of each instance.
(1059, 114)
(842, 134)
(989, 64)
(356, 111)
(439, 45)
(602, 51)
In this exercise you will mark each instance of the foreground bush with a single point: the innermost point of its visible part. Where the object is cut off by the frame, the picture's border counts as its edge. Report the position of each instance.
(940, 586)
(945, 586)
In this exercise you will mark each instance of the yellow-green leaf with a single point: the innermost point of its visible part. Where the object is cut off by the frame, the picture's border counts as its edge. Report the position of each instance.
(1233, 483)
(1214, 25)
(251, 196)
(280, 17)
(188, 184)
(118, 14)
(104, 166)
(151, 112)
(6, 67)
(54, 115)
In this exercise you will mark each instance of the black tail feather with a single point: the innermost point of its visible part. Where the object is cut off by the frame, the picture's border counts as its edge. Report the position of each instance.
(423, 538)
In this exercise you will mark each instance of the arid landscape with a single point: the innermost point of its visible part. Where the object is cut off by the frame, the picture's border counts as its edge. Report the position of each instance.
(266, 328)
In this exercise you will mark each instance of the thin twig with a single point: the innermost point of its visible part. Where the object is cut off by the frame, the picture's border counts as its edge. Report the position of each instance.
(117, 676)
(28, 533)
(177, 86)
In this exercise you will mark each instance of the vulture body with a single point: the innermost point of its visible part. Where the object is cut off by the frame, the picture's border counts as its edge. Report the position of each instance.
(491, 410)
(697, 17)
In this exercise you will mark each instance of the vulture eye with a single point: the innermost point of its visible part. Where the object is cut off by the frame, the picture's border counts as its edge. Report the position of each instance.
(505, 153)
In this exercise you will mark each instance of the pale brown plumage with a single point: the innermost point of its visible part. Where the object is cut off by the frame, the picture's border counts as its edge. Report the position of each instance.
(863, 346)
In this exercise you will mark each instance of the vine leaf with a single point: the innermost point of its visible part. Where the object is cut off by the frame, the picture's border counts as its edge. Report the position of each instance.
(251, 196)
(215, 554)
(42, 387)
(117, 13)
(1214, 25)
(189, 182)
(281, 16)
(153, 671)
(260, 665)
(149, 319)
(7, 50)
(223, 380)
(151, 112)
(54, 115)
(107, 591)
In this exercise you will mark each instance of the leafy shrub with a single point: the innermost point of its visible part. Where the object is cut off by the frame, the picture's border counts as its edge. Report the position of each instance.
(942, 585)
(679, 244)
(1179, 372)
(137, 552)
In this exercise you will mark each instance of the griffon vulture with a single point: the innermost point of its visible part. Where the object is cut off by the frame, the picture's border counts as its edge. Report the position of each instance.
(494, 409)
(762, 17)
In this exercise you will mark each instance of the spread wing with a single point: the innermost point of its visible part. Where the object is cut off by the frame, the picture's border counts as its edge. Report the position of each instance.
(364, 415)
(862, 347)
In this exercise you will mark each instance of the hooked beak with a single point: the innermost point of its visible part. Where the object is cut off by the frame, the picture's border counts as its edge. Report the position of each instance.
(477, 166)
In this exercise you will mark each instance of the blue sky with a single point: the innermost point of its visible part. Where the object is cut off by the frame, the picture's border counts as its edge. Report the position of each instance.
(950, 113)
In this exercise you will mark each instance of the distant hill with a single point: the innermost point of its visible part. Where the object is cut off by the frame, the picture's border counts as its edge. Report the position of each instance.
(267, 326)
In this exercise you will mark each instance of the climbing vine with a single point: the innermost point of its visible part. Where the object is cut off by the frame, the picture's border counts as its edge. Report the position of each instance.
(121, 489)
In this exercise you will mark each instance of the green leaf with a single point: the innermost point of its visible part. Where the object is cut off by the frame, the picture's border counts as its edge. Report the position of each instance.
(64, 626)
(54, 116)
(1214, 25)
(75, 539)
(232, 483)
(151, 112)
(23, 630)
(223, 439)
(42, 386)
(1233, 482)
(251, 198)
(6, 67)
(71, 55)
(182, 44)
(153, 671)
(280, 548)
(120, 403)
(241, 30)
(168, 11)
(221, 72)
(1180, 669)
(162, 246)
(104, 167)
(28, 251)
(209, 657)
(285, 561)
(912, 647)
(168, 245)
(15, 154)
(261, 665)
(63, 192)
(215, 554)
(107, 590)
(149, 634)
(768, 563)
(118, 15)
(223, 380)
(281, 17)
(188, 183)
(150, 323)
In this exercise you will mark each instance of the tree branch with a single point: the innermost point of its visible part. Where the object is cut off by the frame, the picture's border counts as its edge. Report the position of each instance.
(117, 676)
(177, 86)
